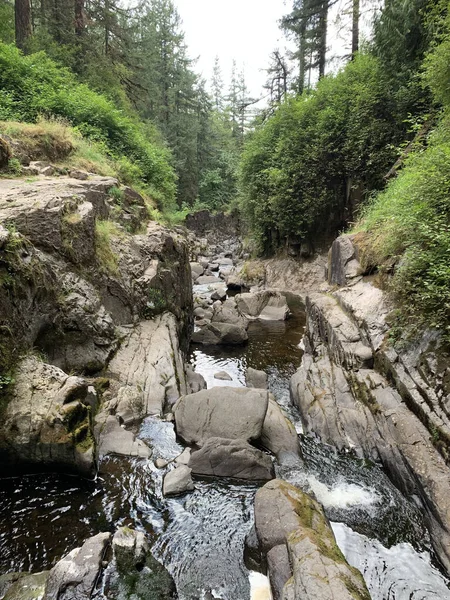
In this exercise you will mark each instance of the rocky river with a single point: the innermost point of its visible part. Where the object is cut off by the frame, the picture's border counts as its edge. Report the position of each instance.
(283, 452)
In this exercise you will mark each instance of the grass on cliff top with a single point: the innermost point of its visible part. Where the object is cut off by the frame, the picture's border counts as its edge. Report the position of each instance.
(107, 258)
(55, 141)
(408, 226)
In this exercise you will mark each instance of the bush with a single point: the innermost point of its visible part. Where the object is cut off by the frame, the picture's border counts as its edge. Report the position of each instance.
(409, 225)
(34, 85)
(299, 166)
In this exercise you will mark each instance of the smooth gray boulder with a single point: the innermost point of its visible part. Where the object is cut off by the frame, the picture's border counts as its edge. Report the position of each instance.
(75, 575)
(178, 481)
(279, 434)
(220, 334)
(206, 279)
(256, 379)
(286, 516)
(219, 294)
(222, 457)
(114, 439)
(266, 305)
(197, 270)
(228, 313)
(223, 376)
(233, 413)
(279, 567)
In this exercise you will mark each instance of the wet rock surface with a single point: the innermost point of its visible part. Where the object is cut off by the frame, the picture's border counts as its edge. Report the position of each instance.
(356, 392)
(288, 519)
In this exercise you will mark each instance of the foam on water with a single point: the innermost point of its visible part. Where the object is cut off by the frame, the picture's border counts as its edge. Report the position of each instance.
(259, 586)
(342, 495)
(399, 572)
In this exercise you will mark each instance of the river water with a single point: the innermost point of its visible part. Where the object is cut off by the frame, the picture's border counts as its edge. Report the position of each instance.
(199, 537)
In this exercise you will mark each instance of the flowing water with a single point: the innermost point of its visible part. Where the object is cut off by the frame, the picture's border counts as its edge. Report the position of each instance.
(199, 537)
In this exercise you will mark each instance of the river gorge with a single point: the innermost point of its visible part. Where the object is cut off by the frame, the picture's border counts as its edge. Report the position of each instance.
(111, 359)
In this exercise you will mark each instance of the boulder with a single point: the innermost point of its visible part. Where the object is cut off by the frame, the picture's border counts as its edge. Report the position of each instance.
(178, 481)
(287, 517)
(114, 439)
(278, 565)
(206, 279)
(219, 294)
(222, 457)
(130, 405)
(228, 313)
(194, 381)
(184, 457)
(343, 264)
(256, 379)
(266, 305)
(197, 270)
(130, 549)
(278, 433)
(222, 375)
(47, 422)
(220, 334)
(233, 413)
(150, 359)
(74, 577)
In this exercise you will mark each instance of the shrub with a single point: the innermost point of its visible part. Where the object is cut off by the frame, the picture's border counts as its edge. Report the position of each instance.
(34, 85)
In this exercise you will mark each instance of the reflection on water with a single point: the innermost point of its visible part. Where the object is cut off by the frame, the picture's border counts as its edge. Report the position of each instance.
(396, 573)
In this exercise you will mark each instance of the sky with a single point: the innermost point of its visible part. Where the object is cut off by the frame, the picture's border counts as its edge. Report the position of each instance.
(246, 30)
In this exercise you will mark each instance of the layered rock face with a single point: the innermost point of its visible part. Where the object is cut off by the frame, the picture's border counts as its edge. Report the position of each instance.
(96, 291)
(295, 538)
(355, 391)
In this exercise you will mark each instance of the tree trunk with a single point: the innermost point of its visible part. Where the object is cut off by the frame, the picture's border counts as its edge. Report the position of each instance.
(322, 30)
(22, 11)
(79, 17)
(355, 27)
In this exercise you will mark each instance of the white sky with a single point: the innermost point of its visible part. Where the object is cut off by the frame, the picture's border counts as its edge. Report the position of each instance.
(245, 30)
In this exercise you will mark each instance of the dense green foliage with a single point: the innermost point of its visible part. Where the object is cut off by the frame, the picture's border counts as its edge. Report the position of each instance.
(299, 167)
(409, 223)
(34, 85)
(136, 59)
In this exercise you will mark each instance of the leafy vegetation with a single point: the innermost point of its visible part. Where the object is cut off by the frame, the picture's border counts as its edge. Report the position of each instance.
(409, 223)
(300, 167)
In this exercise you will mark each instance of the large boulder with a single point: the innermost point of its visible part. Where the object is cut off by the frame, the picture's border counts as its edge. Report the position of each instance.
(228, 313)
(266, 305)
(220, 334)
(343, 262)
(178, 481)
(221, 457)
(233, 413)
(287, 518)
(150, 359)
(47, 421)
(74, 577)
(23, 586)
(114, 439)
(256, 379)
(279, 434)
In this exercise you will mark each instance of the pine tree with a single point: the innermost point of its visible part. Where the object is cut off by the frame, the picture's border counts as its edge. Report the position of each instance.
(217, 85)
(22, 12)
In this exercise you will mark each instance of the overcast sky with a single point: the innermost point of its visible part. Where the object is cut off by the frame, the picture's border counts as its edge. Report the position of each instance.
(245, 30)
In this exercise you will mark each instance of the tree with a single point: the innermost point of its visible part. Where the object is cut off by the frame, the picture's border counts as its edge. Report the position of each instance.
(22, 13)
(278, 75)
(217, 85)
